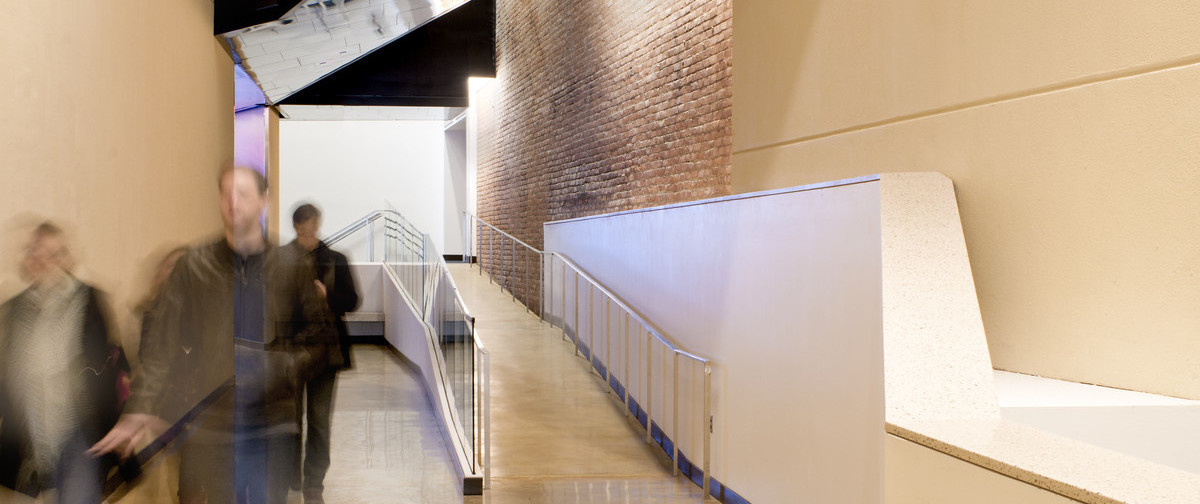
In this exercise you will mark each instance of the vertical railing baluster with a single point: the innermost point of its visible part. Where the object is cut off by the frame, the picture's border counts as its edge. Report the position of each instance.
(526, 295)
(547, 276)
(591, 331)
(626, 377)
(649, 379)
(542, 274)
(487, 420)
(575, 301)
(564, 297)
(675, 414)
(607, 347)
(508, 274)
(706, 424)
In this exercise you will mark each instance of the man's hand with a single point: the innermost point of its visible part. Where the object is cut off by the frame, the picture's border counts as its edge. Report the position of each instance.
(124, 436)
(321, 289)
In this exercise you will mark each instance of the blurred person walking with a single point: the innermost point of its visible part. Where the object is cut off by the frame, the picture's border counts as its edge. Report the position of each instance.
(337, 285)
(231, 314)
(60, 376)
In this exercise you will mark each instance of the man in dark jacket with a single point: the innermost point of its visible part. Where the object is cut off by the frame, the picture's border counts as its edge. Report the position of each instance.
(333, 272)
(232, 312)
(58, 378)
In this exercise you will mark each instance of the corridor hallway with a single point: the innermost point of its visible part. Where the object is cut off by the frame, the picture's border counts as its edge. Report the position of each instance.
(557, 435)
(387, 446)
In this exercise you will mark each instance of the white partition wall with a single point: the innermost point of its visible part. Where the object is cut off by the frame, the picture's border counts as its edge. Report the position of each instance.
(782, 291)
(351, 168)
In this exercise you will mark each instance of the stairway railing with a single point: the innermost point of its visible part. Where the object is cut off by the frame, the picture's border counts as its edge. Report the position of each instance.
(463, 362)
(666, 388)
(506, 259)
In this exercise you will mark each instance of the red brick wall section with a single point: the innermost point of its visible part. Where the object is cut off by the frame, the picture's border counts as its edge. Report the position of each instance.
(602, 106)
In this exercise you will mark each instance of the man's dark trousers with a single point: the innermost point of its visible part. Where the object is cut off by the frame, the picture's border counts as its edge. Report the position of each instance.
(318, 402)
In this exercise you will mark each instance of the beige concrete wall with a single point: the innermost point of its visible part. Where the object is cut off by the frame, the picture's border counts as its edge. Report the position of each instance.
(117, 117)
(914, 474)
(1070, 129)
(276, 217)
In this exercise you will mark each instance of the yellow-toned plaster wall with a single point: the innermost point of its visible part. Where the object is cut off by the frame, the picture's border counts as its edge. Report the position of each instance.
(1071, 131)
(117, 119)
(275, 217)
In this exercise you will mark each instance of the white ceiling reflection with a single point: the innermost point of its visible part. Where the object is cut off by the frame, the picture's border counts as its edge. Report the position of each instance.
(365, 113)
(319, 36)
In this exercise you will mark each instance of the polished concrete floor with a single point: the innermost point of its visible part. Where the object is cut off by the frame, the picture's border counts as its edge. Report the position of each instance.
(558, 436)
(387, 447)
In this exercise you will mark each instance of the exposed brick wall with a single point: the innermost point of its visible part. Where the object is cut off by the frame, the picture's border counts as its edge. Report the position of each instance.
(602, 106)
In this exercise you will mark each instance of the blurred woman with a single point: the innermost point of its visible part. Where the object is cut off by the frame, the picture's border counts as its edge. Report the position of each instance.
(59, 376)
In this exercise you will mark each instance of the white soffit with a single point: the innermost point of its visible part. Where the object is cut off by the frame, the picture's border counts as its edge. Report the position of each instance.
(319, 36)
(365, 113)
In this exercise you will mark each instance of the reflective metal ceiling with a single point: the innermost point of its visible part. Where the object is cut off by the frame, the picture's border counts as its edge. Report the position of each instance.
(317, 37)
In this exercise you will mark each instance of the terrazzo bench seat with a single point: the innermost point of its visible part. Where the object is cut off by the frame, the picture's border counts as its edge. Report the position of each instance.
(940, 389)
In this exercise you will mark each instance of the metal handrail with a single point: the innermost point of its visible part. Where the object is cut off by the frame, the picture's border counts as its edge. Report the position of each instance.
(593, 357)
(667, 344)
(650, 328)
(401, 225)
(502, 232)
(417, 247)
(341, 234)
(417, 268)
(116, 486)
(443, 271)
(471, 224)
(458, 299)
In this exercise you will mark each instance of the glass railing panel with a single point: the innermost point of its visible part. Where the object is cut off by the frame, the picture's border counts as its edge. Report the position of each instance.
(457, 342)
(421, 271)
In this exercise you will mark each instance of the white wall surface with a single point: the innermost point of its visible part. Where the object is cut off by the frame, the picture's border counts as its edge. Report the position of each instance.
(456, 188)
(350, 168)
(478, 86)
(369, 281)
(783, 293)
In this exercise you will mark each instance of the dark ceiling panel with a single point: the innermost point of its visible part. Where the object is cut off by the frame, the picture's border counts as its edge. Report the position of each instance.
(230, 15)
(428, 66)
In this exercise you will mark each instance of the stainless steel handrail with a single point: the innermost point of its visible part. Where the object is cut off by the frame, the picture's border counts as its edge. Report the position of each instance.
(474, 224)
(417, 269)
(443, 273)
(631, 314)
(654, 331)
(120, 483)
(501, 231)
(405, 228)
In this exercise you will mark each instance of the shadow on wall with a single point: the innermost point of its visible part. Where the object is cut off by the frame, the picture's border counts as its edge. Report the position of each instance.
(785, 28)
